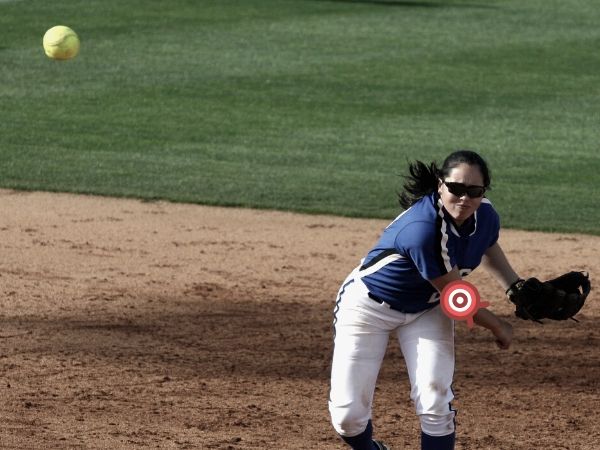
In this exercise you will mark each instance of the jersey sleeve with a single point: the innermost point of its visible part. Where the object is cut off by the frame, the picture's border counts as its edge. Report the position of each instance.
(494, 225)
(423, 245)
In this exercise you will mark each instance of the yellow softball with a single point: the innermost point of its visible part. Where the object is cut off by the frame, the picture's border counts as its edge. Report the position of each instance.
(61, 42)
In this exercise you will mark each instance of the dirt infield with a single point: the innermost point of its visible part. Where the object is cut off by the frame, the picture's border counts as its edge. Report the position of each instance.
(130, 324)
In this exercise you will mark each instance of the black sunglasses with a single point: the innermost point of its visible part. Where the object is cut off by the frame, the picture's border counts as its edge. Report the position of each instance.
(460, 189)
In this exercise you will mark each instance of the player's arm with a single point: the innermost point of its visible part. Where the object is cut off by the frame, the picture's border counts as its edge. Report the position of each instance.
(501, 329)
(495, 262)
(440, 282)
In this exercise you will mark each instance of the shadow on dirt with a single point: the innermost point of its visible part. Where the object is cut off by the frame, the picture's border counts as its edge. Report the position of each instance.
(212, 333)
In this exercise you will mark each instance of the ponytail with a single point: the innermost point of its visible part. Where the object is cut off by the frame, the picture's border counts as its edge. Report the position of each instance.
(422, 180)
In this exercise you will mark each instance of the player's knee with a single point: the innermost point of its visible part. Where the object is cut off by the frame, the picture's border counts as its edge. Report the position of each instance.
(433, 397)
(348, 421)
(437, 425)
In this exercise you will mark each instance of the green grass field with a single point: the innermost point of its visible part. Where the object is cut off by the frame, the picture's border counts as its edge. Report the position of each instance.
(306, 105)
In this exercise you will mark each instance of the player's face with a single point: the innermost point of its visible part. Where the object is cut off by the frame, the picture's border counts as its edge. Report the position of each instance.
(460, 205)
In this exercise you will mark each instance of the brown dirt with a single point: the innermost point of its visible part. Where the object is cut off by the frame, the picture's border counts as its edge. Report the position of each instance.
(129, 324)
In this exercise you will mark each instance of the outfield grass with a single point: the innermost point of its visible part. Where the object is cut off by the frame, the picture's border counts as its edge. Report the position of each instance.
(306, 105)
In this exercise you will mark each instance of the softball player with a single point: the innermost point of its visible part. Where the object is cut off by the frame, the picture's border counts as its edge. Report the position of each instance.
(448, 228)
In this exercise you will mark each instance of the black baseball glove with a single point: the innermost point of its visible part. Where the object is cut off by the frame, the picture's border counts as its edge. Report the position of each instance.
(557, 299)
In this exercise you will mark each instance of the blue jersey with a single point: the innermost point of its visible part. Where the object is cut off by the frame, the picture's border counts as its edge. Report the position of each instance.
(424, 243)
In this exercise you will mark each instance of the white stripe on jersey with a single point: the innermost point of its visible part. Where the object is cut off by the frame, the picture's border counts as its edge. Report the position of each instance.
(375, 267)
(444, 243)
(398, 217)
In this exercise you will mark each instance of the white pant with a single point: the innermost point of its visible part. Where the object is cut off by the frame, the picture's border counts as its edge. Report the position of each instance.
(362, 328)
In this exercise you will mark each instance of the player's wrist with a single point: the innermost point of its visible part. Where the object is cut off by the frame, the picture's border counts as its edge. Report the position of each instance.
(514, 284)
(487, 319)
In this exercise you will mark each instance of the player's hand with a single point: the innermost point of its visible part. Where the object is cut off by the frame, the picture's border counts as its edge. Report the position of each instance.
(503, 333)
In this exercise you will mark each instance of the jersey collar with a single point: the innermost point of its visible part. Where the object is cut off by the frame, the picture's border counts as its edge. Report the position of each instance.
(468, 228)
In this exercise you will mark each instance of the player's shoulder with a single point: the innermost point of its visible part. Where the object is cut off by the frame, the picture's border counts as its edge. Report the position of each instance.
(486, 202)
(487, 216)
(423, 211)
(418, 223)
(487, 208)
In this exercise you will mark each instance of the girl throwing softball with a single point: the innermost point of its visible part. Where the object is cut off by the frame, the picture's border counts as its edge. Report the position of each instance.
(448, 229)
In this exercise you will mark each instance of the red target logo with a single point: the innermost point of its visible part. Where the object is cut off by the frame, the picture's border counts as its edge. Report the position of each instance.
(460, 301)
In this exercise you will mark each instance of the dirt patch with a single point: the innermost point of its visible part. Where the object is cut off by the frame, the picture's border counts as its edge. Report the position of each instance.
(129, 324)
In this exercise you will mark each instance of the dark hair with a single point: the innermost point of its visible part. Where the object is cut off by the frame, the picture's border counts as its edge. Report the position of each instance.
(423, 179)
